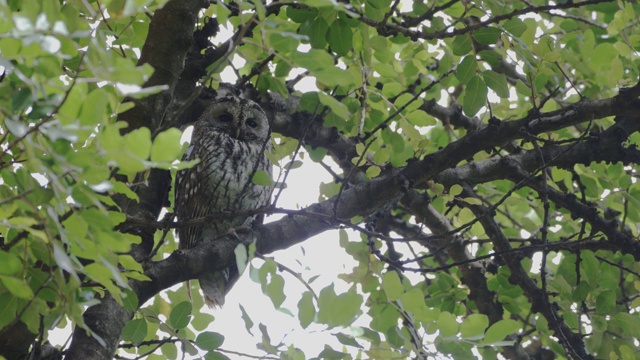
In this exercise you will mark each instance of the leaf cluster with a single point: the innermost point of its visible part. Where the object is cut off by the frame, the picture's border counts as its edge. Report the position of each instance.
(483, 157)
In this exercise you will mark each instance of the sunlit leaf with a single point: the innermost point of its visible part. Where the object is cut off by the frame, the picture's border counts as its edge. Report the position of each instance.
(306, 310)
(392, 285)
(135, 331)
(10, 263)
(166, 146)
(181, 315)
(340, 37)
(487, 35)
(467, 69)
(500, 330)
(475, 96)
(209, 340)
(263, 178)
(496, 82)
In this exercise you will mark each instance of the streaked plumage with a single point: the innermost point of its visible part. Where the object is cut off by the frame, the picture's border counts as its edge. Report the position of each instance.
(230, 139)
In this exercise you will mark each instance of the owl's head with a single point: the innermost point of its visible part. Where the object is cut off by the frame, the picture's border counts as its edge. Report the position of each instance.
(241, 119)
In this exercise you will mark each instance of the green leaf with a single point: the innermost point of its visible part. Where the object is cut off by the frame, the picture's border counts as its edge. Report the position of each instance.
(473, 326)
(21, 100)
(62, 260)
(166, 146)
(347, 340)
(338, 310)
(8, 308)
(334, 76)
(420, 118)
(413, 300)
(603, 54)
(242, 258)
(338, 108)
(461, 45)
(392, 89)
(138, 142)
(475, 96)
(542, 324)
(606, 302)
(301, 15)
(447, 324)
(580, 292)
(591, 267)
(340, 37)
(492, 57)
(282, 69)
(10, 263)
(129, 263)
(629, 323)
(248, 323)
(18, 287)
(500, 330)
(306, 310)
(17, 128)
(169, 350)
(329, 353)
(392, 285)
(318, 33)
(209, 340)
(275, 290)
(467, 69)
(214, 355)
(487, 35)
(282, 43)
(262, 178)
(266, 339)
(129, 300)
(94, 107)
(496, 82)
(409, 101)
(515, 26)
(135, 331)
(455, 190)
(546, 49)
(313, 60)
(295, 164)
(181, 315)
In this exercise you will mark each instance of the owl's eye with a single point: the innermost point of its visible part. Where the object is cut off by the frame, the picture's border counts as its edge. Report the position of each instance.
(251, 123)
(226, 118)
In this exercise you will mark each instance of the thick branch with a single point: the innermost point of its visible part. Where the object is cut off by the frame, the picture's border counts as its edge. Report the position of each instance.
(169, 39)
(500, 133)
(607, 147)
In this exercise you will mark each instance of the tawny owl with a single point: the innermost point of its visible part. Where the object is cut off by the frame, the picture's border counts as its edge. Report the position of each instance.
(230, 139)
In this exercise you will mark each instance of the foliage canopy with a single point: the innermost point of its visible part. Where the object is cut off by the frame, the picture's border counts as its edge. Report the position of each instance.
(484, 155)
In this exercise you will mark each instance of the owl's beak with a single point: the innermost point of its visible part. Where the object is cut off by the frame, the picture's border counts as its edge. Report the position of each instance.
(237, 129)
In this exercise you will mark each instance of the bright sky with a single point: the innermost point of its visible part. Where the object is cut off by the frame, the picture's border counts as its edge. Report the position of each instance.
(322, 256)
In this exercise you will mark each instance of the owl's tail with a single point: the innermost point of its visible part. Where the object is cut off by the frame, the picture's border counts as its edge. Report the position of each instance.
(213, 287)
(217, 284)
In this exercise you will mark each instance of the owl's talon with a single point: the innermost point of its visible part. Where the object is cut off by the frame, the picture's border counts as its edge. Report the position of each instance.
(241, 233)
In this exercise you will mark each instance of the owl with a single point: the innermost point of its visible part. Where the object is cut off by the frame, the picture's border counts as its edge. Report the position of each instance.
(230, 139)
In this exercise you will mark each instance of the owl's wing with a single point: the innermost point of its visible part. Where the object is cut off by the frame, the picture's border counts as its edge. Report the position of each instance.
(190, 202)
